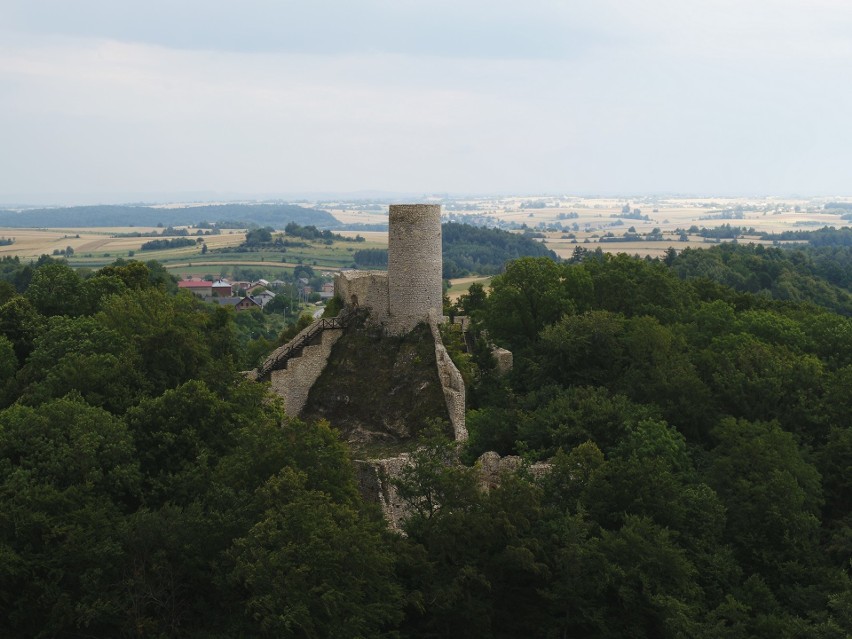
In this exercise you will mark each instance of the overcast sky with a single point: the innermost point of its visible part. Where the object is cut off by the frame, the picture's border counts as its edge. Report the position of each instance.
(109, 99)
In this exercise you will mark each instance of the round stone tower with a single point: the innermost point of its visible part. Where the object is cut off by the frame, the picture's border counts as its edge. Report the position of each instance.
(414, 264)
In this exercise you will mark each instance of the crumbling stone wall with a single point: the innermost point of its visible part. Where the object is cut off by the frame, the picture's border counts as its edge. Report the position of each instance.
(376, 480)
(451, 383)
(409, 293)
(492, 467)
(364, 289)
(503, 359)
(294, 382)
(414, 265)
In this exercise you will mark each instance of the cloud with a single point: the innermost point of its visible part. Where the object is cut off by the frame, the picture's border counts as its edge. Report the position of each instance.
(473, 28)
(658, 95)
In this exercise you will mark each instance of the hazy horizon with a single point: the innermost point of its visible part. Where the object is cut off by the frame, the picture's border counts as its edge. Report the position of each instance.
(69, 200)
(108, 103)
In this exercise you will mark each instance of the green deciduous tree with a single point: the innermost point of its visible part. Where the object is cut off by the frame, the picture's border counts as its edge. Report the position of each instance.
(55, 289)
(524, 299)
(66, 472)
(20, 322)
(79, 354)
(773, 498)
(313, 567)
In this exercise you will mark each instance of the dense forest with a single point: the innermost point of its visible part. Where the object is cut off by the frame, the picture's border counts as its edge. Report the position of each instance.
(276, 215)
(695, 411)
(469, 250)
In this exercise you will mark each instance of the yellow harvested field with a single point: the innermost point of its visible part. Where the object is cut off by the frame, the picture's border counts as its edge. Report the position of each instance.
(347, 216)
(197, 262)
(32, 243)
(377, 238)
(460, 286)
(586, 219)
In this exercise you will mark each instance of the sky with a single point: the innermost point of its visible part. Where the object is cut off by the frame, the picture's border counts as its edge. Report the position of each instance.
(124, 100)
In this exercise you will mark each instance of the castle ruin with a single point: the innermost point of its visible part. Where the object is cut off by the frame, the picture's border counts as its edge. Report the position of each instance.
(410, 291)
(396, 302)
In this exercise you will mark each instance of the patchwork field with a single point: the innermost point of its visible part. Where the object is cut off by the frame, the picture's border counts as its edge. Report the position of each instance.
(578, 222)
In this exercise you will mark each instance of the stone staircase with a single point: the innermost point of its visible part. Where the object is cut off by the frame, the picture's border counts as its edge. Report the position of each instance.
(293, 368)
(279, 357)
(293, 382)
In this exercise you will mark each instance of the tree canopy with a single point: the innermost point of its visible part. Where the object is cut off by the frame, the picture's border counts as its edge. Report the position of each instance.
(693, 413)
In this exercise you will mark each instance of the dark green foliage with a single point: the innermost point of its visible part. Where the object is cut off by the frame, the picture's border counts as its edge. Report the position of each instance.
(313, 567)
(66, 472)
(81, 355)
(159, 245)
(175, 519)
(256, 237)
(371, 258)
(821, 275)
(312, 233)
(697, 430)
(55, 289)
(527, 297)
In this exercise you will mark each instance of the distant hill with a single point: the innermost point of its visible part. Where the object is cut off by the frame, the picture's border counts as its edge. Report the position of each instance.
(477, 250)
(275, 215)
(470, 250)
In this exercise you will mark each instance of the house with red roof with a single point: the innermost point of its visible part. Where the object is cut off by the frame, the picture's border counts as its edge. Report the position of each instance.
(201, 288)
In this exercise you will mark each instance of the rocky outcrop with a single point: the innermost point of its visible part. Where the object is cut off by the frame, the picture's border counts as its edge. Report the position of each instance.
(378, 389)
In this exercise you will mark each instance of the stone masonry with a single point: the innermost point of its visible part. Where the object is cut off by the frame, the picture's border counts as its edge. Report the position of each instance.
(367, 290)
(411, 289)
(294, 382)
(451, 383)
(414, 265)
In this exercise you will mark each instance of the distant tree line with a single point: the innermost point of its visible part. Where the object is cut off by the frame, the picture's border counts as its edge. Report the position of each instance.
(371, 257)
(312, 233)
(721, 232)
(635, 214)
(844, 206)
(169, 231)
(826, 236)
(157, 245)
